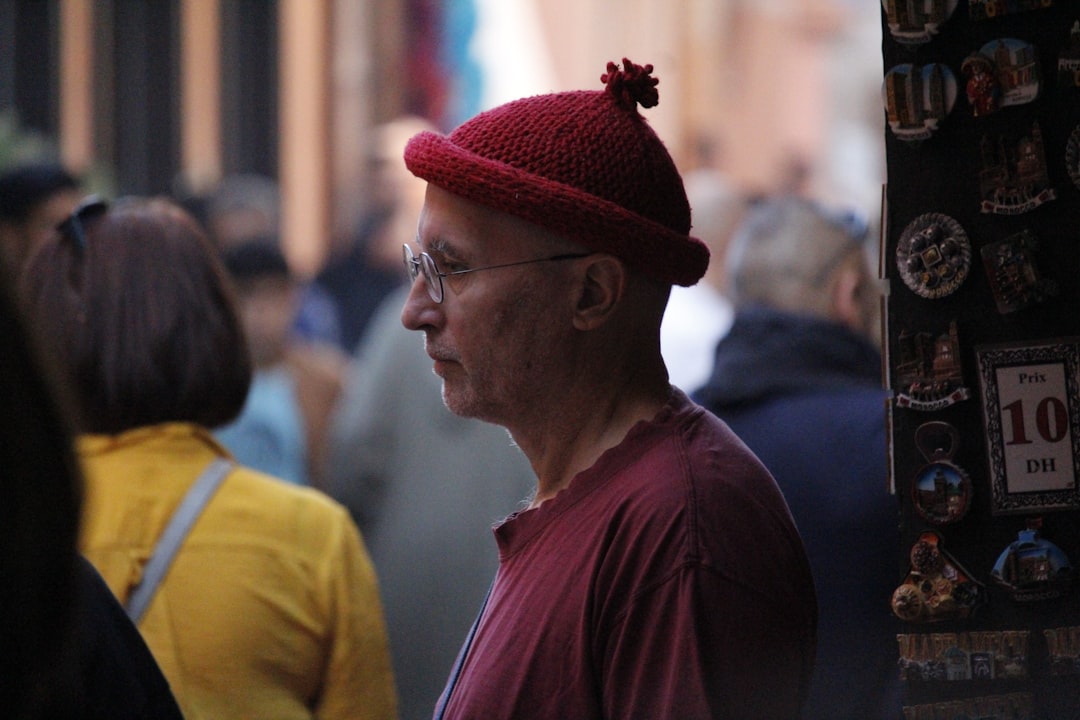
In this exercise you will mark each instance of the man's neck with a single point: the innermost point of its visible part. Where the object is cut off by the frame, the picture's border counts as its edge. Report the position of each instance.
(582, 429)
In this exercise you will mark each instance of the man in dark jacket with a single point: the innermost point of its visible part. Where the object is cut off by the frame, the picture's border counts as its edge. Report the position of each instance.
(799, 380)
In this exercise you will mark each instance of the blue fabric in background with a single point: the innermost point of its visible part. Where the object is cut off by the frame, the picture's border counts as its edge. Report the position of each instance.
(806, 396)
(268, 435)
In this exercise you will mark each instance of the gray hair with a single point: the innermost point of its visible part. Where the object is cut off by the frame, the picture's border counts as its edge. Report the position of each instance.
(785, 251)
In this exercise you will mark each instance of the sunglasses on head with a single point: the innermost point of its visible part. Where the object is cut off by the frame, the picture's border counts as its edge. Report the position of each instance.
(72, 227)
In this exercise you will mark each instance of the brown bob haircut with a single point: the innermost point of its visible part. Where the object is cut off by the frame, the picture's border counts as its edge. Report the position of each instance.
(133, 305)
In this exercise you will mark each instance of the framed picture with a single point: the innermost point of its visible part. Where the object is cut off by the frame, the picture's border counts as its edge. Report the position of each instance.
(1030, 396)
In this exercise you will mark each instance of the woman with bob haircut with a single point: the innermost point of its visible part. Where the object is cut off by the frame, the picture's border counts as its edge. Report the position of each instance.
(270, 607)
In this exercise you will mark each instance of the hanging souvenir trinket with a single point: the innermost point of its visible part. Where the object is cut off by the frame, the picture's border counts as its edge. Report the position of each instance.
(933, 255)
(916, 23)
(941, 490)
(937, 587)
(917, 99)
(1014, 275)
(1033, 568)
(1014, 178)
(928, 374)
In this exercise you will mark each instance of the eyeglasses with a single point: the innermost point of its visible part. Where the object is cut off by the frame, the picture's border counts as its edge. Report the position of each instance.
(433, 277)
(92, 206)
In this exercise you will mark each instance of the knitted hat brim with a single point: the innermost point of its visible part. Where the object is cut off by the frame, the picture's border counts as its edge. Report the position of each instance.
(591, 221)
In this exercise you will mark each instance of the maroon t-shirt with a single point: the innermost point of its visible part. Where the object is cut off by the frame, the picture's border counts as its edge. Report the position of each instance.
(667, 581)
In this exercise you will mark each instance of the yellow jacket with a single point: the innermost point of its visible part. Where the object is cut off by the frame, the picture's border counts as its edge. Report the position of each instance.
(271, 608)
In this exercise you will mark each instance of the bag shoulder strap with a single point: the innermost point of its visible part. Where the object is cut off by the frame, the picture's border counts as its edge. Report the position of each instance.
(455, 672)
(169, 543)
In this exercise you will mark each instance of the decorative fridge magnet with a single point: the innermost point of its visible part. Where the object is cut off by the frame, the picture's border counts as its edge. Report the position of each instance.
(941, 490)
(928, 373)
(1063, 645)
(1068, 64)
(933, 255)
(916, 23)
(956, 656)
(917, 99)
(1002, 73)
(990, 9)
(1033, 568)
(1031, 412)
(937, 587)
(1013, 178)
(1014, 275)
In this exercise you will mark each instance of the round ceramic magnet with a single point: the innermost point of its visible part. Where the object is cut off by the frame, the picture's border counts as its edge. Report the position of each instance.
(933, 255)
(1014, 65)
(917, 99)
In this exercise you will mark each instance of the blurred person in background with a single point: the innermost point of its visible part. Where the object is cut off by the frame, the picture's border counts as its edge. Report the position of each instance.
(34, 199)
(425, 486)
(283, 428)
(369, 269)
(798, 378)
(246, 208)
(270, 608)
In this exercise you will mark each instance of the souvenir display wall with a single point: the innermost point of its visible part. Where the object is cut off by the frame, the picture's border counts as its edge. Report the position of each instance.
(981, 330)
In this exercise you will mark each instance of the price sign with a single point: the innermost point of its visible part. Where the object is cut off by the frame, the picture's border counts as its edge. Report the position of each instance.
(1032, 425)
(1037, 442)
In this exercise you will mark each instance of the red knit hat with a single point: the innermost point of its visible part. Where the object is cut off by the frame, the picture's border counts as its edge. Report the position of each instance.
(584, 164)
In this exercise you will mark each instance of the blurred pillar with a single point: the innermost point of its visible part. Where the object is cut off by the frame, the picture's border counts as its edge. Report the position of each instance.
(77, 84)
(705, 37)
(200, 94)
(355, 28)
(305, 122)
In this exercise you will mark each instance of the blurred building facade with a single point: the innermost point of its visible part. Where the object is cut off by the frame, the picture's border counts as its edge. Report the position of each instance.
(171, 95)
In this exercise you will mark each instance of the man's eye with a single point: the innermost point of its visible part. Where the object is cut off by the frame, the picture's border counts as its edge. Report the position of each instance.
(452, 266)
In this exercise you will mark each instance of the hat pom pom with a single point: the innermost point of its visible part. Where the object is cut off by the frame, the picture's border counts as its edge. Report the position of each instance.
(631, 86)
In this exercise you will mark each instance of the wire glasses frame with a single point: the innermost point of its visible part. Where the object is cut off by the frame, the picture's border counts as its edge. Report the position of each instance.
(72, 227)
(424, 264)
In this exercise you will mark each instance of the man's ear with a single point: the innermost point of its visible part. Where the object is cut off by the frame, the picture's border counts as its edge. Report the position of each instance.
(603, 283)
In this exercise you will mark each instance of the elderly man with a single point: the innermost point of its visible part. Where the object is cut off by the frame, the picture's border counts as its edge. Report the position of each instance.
(656, 572)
